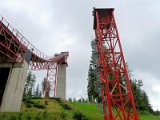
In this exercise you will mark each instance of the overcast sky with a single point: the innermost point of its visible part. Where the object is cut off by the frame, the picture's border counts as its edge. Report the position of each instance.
(54, 26)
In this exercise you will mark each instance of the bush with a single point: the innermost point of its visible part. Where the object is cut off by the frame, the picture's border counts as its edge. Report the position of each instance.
(145, 113)
(24, 99)
(37, 117)
(28, 105)
(63, 115)
(37, 98)
(65, 106)
(58, 100)
(29, 117)
(37, 105)
(79, 116)
(3, 116)
(20, 116)
(12, 118)
(46, 102)
(45, 115)
(30, 101)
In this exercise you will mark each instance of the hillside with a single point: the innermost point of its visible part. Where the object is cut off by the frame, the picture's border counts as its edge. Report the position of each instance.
(55, 109)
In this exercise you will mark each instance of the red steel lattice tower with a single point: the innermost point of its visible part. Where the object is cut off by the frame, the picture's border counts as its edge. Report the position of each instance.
(117, 97)
(51, 79)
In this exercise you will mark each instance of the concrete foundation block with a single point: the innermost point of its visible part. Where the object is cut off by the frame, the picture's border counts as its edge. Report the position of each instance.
(13, 93)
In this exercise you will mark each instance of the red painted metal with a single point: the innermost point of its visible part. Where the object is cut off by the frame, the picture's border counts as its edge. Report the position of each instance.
(14, 48)
(117, 97)
(51, 80)
(15, 45)
(52, 72)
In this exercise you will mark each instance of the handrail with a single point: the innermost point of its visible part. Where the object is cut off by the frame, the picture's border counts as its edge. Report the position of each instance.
(23, 40)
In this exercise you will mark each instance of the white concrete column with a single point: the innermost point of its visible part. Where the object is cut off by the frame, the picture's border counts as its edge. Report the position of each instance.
(61, 82)
(13, 92)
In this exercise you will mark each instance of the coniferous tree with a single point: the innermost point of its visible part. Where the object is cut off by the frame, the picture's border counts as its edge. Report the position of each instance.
(92, 94)
(43, 86)
(40, 94)
(93, 88)
(140, 96)
(37, 91)
(46, 85)
(29, 84)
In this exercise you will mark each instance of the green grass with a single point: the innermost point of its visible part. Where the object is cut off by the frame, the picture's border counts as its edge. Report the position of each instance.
(94, 111)
(55, 111)
(90, 110)
(149, 116)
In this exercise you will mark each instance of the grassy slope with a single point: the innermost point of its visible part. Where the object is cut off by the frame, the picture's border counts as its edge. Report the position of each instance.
(149, 117)
(54, 112)
(93, 112)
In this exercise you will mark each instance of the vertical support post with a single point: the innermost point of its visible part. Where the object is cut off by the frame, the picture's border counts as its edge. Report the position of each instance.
(61, 82)
(50, 81)
(14, 88)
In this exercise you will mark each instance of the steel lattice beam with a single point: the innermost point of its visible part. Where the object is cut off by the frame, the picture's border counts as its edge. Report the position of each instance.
(51, 80)
(115, 84)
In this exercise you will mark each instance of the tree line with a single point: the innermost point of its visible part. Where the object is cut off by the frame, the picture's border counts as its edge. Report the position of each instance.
(30, 90)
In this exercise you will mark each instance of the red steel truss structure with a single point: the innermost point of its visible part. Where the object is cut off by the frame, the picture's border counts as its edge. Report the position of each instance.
(117, 97)
(51, 78)
(15, 48)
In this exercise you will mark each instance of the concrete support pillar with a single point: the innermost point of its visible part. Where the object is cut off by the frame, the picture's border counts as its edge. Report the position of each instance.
(13, 93)
(61, 82)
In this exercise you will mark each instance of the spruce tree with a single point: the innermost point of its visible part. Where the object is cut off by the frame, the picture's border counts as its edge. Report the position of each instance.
(37, 91)
(43, 86)
(29, 84)
(93, 88)
(140, 96)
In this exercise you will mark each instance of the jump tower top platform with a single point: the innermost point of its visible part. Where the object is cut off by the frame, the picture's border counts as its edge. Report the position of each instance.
(17, 55)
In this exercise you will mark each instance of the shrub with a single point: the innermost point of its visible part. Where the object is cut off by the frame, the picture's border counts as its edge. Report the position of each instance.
(28, 105)
(62, 115)
(30, 101)
(65, 106)
(3, 116)
(37, 117)
(58, 100)
(29, 117)
(45, 114)
(46, 102)
(79, 116)
(20, 116)
(37, 105)
(12, 118)
(36, 97)
(145, 113)
(24, 99)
